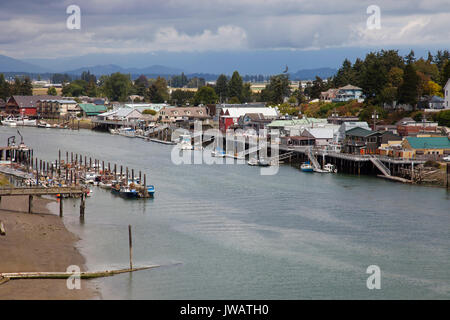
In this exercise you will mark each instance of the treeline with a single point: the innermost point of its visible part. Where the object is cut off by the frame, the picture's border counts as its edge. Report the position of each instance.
(387, 77)
(20, 86)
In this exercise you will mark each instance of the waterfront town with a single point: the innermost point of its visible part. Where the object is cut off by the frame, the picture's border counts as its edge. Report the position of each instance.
(341, 129)
(271, 150)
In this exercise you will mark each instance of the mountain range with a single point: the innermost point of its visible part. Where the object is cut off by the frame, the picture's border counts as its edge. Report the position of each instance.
(10, 65)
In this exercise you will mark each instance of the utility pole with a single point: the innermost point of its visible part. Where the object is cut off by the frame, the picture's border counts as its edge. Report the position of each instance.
(374, 117)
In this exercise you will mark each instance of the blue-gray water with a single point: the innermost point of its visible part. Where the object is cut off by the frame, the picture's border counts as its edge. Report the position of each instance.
(226, 232)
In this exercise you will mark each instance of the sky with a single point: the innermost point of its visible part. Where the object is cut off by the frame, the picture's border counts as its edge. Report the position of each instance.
(185, 33)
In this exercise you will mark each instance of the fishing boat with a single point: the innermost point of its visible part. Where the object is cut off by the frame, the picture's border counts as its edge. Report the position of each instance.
(9, 122)
(307, 167)
(184, 142)
(128, 192)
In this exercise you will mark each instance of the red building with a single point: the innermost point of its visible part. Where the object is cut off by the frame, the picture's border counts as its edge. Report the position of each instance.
(25, 105)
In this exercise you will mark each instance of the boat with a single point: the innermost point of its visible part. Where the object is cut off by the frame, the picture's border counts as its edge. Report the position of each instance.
(151, 190)
(26, 122)
(252, 162)
(261, 162)
(128, 192)
(10, 122)
(43, 125)
(307, 167)
(219, 153)
(331, 168)
(113, 131)
(184, 142)
(105, 184)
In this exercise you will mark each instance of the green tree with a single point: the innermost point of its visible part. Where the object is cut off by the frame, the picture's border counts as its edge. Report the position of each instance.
(445, 74)
(117, 87)
(409, 90)
(205, 95)
(317, 88)
(27, 87)
(52, 91)
(222, 87)
(181, 97)
(235, 86)
(149, 111)
(5, 90)
(141, 85)
(158, 91)
(345, 75)
(277, 89)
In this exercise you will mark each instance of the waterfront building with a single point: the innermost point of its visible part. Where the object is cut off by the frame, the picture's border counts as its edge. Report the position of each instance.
(420, 146)
(230, 116)
(409, 127)
(177, 114)
(253, 121)
(55, 108)
(146, 106)
(91, 110)
(322, 136)
(346, 126)
(122, 114)
(297, 141)
(25, 105)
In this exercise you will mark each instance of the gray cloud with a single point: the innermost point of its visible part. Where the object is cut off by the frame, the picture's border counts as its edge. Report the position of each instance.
(38, 28)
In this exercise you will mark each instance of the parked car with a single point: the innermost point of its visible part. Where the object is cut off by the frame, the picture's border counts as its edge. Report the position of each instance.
(447, 158)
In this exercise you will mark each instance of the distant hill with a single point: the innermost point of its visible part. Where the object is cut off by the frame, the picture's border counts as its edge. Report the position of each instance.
(310, 74)
(112, 68)
(8, 64)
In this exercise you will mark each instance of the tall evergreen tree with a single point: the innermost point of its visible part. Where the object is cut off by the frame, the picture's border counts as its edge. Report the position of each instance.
(235, 86)
(222, 87)
(409, 89)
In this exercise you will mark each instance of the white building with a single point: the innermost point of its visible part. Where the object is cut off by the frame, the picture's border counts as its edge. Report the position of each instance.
(447, 95)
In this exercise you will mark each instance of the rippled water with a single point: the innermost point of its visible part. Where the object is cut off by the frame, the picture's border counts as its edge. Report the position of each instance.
(225, 231)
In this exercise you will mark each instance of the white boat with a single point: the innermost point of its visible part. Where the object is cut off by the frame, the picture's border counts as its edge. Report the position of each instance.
(105, 185)
(252, 162)
(331, 168)
(10, 122)
(26, 122)
(185, 142)
(219, 153)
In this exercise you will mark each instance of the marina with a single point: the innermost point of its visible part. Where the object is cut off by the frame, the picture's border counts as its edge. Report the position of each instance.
(204, 220)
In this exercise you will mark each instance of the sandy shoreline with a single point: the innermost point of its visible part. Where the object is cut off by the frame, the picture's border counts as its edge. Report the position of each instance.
(38, 242)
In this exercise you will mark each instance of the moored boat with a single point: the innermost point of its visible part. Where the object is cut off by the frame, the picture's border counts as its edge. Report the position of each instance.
(307, 167)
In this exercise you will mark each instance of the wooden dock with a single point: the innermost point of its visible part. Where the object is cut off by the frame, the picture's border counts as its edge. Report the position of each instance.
(40, 191)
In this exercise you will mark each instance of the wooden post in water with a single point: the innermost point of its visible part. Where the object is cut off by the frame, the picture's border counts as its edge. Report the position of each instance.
(121, 170)
(126, 181)
(140, 181)
(115, 172)
(82, 205)
(67, 157)
(130, 245)
(60, 205)
(132, 175)
(30, 202)
(145, 187)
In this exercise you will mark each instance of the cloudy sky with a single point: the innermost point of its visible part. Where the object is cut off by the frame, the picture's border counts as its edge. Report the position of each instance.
(36, 29)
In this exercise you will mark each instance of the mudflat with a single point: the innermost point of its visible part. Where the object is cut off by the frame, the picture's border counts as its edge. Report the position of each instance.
(38, 242)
